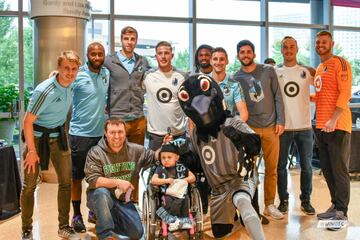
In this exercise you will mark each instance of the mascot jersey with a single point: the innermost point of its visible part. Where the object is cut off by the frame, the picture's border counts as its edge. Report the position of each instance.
(163, 107)
(295, 88)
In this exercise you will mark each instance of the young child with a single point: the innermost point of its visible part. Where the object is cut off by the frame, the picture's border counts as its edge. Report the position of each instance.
(173, 178)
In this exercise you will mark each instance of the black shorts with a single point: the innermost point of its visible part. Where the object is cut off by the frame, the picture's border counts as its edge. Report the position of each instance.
(80, 147)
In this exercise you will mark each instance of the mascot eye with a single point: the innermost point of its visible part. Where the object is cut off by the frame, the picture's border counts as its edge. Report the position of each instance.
(183, 95)
(204, 84)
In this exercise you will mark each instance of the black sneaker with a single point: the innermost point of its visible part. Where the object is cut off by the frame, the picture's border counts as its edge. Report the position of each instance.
(91, 217)
(283, 206)
(329, 213)
(78, 224)
(307, 208)
(68, 232)
(27, 235)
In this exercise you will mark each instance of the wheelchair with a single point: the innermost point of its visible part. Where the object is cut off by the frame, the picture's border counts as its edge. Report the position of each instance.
(154, 227)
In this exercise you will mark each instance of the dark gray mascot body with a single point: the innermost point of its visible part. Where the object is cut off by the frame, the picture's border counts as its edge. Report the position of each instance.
(223, 143)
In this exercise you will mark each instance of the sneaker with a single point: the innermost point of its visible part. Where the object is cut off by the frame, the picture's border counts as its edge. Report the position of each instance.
(78, 224)
(174, 226)
(273, 212)
(27, 235)
(186, 223)
(283, 206)
(91, 217)
(307, 208)
(68, 232)
(330, 213)
(340, 221)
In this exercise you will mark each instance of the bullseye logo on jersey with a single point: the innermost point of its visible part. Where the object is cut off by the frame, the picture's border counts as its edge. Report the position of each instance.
(291, 89)
(164, 95)
(318, 83)
(208, 154)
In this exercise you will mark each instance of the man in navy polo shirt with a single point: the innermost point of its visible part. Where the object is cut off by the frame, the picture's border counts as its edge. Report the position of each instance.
(44, 133)
(87, 121)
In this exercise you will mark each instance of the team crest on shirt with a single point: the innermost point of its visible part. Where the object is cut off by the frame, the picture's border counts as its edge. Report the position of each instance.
(318, 83)
(139, 69)
(175, 82)
(303, 75)
(325, 69)
(164, 95)
(291, 89)
(226, 91)
(208, 154)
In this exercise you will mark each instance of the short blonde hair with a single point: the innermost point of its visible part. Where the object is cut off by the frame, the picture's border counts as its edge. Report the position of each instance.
(69, 55)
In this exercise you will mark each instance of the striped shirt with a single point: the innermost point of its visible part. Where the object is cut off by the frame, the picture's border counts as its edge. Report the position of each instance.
(333, 80)
(50, 102)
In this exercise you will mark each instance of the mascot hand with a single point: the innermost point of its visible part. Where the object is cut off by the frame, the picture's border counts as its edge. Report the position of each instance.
(249, 141)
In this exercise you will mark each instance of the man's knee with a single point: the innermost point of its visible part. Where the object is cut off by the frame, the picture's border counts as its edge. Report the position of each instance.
(102, 196)
(220, 230)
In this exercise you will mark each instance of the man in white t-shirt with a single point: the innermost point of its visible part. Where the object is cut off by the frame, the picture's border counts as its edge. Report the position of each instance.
(164, 111)
(295, 81)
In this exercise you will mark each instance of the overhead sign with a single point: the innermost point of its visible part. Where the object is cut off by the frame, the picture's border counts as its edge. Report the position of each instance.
(67, 8)
(346, 3)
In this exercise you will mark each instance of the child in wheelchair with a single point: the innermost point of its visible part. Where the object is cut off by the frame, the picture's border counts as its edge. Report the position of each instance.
(173, 178)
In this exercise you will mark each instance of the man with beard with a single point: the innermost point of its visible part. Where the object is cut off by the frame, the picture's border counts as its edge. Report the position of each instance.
(333, 124)
(266, 115)
(87, 120)
(202, 59)
(295, 81)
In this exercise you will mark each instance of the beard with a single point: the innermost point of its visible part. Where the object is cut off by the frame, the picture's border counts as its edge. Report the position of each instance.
(251, 61)
(96, 65)
(205, 65)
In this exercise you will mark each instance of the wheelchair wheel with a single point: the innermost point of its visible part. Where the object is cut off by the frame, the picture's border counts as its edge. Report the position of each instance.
(148, 216)
(197, 212)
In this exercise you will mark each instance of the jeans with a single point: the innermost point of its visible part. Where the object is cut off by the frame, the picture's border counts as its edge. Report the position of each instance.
(113, 215)
(62, 164)
(334, 151)
(304, 143)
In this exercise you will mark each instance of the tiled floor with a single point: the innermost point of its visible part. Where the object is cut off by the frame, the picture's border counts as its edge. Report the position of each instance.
(295, 226)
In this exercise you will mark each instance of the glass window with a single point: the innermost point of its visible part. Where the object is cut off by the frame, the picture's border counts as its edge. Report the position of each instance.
(178, 8)
(150, 33)
(25, 5)
(346, 16)
(347, 45)
(9, 5)
(289, 12)
(99, 7)
(229, 9)
(302, 37)
(214, 35)
(98, 30)
(28, 53)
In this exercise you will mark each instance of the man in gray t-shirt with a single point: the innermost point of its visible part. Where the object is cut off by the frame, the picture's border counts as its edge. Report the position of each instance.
(266, 115)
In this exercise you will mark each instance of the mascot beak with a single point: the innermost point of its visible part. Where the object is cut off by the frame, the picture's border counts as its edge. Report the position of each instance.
(201, 104)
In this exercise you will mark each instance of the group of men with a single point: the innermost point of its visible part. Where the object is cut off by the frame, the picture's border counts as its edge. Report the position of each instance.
(274, 102)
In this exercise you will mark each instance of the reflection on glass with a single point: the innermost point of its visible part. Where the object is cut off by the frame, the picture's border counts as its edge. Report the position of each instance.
(150, 33)
(98, 30)
(346, 16)
(289, 12)
(178, 8)
(214, 35)
(302, 37)
(9, 5)
(99, 7)
(229, 9)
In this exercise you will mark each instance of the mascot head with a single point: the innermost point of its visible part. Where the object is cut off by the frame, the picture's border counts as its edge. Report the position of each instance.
(202, 101)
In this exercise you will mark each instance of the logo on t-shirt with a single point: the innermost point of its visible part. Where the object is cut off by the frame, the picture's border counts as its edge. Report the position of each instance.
(164, 95)
(226, 91)
(325, 69)
(291, 89)
(318, 83)
(303, 75)
(255, 92)
(208, 154)
(174, 81)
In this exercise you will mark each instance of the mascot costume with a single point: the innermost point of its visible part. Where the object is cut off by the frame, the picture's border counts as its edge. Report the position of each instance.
(226, 147)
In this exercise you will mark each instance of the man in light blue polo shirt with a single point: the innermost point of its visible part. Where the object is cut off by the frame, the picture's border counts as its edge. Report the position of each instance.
(232, 91)
(87, 121)
(44, 132)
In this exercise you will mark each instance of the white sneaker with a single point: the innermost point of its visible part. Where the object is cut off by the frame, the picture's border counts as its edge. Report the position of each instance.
(174, 226)
(273, 212)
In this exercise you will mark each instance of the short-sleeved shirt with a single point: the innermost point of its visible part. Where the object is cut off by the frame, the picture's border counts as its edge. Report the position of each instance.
(232, 92)
(179, 171)
(163, 106)
(295, 84)
(332, 83)
(128, 63)
(50, 102)
(89, 101)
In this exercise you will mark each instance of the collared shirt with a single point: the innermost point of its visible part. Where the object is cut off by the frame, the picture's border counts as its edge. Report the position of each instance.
(128, 63)
(232, 92)
(50, 102)
(89, 101)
